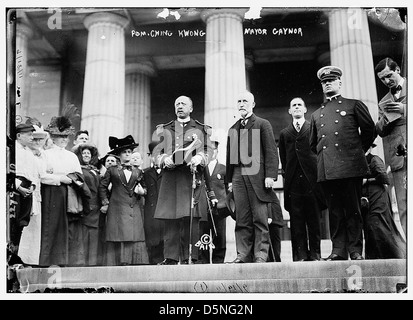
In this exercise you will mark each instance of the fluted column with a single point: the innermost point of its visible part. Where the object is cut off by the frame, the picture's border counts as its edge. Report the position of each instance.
(350, 48)
(23, 34)
(225, 68)
(138, 104)
(103, 109)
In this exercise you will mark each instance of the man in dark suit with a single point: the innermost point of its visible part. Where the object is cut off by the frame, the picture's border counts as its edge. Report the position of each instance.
(154, 228)
(302, 195)
(391, 126)
(184, 148)
(252, 167)
(218, 185)
(341, 131)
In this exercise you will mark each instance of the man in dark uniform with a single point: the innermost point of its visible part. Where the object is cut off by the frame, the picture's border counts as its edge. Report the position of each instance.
(154, 228)
(184, 150)
(341, 131)
(252, 167)
(302, 194)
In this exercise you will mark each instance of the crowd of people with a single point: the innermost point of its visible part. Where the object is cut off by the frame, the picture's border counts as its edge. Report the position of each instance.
(79, 208)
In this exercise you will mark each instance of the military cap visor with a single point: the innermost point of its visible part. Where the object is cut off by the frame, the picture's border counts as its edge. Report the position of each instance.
(329, 73)
(23, 127)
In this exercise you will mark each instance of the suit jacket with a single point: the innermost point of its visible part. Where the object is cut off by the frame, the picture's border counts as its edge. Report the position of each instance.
(154, 228)
(124, 218)
(393, 133)
(294, 148)
(256, 140)
(341, 131)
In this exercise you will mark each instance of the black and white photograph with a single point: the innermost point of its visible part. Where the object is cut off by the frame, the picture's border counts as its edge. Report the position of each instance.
(187, 150)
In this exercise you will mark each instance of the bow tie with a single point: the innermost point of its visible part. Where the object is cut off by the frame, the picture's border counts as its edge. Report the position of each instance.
(127, 167)
(396, 89)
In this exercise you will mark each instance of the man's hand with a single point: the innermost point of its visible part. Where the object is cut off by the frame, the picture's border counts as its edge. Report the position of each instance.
(104, 209)
(65, 180)
(396, 107)
(214, 202)
(269, 182)
(195, 161)
(24, 191)
(169, 163)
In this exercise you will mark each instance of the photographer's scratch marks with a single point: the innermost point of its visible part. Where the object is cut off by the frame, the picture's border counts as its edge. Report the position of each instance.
(184, 33)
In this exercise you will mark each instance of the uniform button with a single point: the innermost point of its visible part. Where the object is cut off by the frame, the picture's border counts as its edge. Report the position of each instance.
(340, 101)
(322, 125)
(337, 110)
(336, 133)
(324, 147)
(323, 136)
(336, 144)
(321, 115)
(336, 121)
(322, 107)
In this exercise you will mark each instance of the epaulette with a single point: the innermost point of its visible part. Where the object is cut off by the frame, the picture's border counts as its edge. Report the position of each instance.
(207, 128)
(159, 127)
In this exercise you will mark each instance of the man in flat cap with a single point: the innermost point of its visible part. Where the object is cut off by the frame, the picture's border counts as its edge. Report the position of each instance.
(341, 131)
(21, 200)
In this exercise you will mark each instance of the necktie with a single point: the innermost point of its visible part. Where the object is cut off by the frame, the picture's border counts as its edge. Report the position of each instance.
(297, 126)
(395, 89)
(243, 122)
(127, 167)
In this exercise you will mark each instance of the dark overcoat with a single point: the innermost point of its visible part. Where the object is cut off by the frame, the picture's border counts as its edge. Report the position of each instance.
(341, 131)
(175, 193)
(294, 149)
(154, 228)
(254, 146)
(124, 220)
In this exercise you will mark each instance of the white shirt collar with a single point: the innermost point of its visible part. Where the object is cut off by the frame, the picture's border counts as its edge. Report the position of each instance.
(333, 97)
(300, 121)
(184, 120)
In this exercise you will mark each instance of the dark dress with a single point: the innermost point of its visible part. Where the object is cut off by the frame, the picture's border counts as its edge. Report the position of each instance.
(125, 238)
(382, 238)
(90, 222)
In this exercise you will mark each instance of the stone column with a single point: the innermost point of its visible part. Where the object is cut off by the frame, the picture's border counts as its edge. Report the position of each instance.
(23, 33)
(138, 104)
(224, 70)
(103, 109)
(350, 48)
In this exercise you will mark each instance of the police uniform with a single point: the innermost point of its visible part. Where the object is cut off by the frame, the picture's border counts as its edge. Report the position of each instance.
(175, 193)
(342, 130)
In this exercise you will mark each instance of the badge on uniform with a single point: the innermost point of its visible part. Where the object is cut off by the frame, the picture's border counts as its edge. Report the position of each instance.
(219, 176)
(343, 113)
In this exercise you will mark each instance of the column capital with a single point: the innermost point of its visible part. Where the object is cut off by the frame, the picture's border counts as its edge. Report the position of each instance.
(24, 30)
(143, 67)
(236, 13)
(105, 17)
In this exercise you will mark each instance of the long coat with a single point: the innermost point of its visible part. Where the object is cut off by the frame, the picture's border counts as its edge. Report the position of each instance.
(393, 133)
(92, 180)
(154, 228)
(124, 218)
(218, 184)
(263, 162)
(175, 193)
(341, 131)
(294, 148)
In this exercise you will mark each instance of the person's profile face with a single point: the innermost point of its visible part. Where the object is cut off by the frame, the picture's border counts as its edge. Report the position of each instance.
(389, 77)
(110, 161)
(183, 107)
(25, 138)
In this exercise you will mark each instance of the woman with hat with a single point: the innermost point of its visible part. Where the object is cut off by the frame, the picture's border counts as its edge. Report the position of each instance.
(29, 248)
(125, 237)
(87, 154)
(54, 190)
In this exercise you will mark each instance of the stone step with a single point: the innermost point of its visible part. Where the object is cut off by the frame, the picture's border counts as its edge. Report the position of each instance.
(378, 276)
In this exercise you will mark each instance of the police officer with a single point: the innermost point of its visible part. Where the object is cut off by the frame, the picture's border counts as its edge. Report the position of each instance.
(342, 130)
(185, 149)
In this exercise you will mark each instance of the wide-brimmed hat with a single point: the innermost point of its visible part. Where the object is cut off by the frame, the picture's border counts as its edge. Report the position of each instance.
(78, 149)
(103, 159)
(60, 126)
(23, 127)
(118, 145)
(230, 203)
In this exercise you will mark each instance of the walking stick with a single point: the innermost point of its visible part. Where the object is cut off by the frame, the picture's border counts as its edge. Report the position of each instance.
(191, 215)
